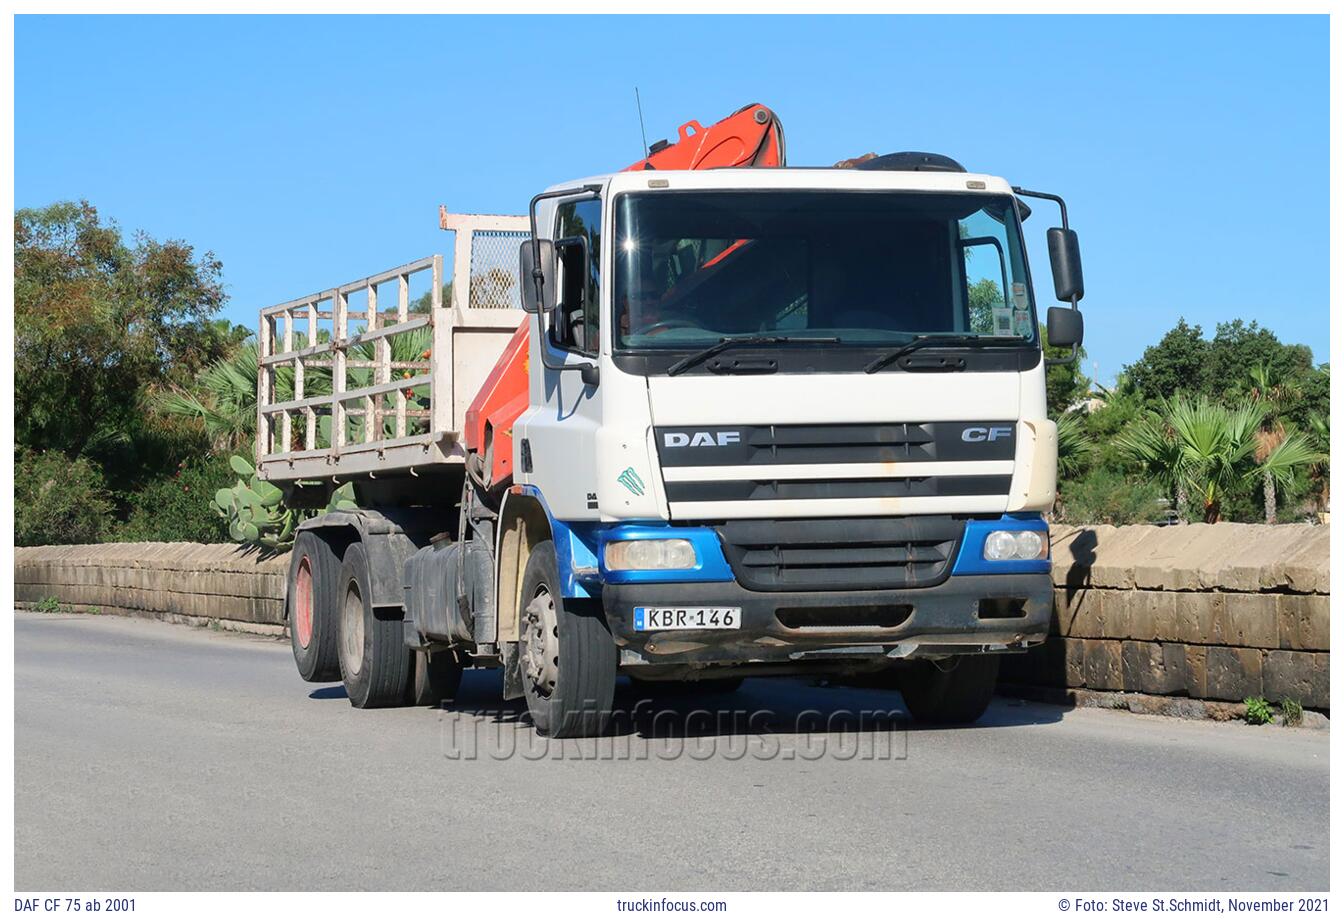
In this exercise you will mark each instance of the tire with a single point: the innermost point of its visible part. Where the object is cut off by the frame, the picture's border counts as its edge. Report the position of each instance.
(955, 691)
(566, 656)
(434, 678)
(311, 608)
(375, 661)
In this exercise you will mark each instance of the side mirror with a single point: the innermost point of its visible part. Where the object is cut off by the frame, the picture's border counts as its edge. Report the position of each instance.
(532, 301)
(1063, 327)
(1066, 264)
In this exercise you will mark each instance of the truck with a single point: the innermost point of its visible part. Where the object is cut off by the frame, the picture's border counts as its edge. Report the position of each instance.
(707, 418)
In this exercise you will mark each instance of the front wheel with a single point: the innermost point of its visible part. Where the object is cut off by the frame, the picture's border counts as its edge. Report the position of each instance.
(951, 691)
(566, 655)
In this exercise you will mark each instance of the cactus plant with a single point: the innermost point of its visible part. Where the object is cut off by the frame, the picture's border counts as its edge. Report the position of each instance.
(257, 514)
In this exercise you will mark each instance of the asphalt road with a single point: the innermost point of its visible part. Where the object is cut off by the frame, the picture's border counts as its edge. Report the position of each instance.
(158, 757)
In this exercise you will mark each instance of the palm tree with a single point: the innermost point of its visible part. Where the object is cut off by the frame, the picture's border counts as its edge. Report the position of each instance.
(1280, 467)
(1272, 392)
(224, 395)
(1074, 445)
(1150, 442)
(1198, 447)
(223, 399)
(1318, 433)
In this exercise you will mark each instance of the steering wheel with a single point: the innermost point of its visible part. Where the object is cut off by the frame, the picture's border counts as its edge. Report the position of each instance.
(663, 325)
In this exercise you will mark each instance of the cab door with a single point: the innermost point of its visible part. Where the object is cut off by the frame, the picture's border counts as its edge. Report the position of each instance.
(555, 440)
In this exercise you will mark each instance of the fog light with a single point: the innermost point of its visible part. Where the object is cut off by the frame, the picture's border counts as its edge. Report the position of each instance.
(1006, 545)
(650, 554)
(1000, 545)
(1030, 544)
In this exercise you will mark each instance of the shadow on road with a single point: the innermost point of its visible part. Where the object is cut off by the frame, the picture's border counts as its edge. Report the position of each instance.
(759, 707)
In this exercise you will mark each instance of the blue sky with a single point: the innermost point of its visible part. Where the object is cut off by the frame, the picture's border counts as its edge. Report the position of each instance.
(306, 152)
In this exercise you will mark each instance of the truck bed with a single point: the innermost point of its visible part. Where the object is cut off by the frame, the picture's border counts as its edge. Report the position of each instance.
(361, 380)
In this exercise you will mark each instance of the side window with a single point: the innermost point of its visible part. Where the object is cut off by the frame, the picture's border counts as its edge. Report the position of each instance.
(579, 325)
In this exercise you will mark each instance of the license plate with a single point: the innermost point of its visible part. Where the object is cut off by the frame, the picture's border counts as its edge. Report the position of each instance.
(647, 618)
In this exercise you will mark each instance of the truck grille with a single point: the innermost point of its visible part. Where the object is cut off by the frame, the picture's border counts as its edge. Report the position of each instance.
(749, 445)
(967, 463)
(844, 554)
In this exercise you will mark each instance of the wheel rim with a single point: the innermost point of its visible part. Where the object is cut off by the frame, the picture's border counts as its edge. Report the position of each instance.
(352, 629)
(541, 643)
(303, 603)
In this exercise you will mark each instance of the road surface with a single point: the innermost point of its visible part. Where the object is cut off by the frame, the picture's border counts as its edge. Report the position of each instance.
(157, 757)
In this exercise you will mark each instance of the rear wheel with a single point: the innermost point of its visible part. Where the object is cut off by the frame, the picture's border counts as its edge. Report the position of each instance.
(375, 662)
(434, 678)
(311, 608)
(952, 691)
(566, 654)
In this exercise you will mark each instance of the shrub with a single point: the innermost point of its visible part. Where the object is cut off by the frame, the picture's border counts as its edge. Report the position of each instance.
(1258, 711)
(177, 509)
(58, 500)
(1292, 712)
(1105, 496)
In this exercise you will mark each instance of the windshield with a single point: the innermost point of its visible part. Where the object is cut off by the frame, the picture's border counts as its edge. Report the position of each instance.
(861, 268)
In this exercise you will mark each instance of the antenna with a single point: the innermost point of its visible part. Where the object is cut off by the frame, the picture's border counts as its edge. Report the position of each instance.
(644, 151)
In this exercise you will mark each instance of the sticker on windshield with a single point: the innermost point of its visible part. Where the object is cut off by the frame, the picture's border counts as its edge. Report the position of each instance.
(1003, 321)
(1020, 296)
(1022, 323)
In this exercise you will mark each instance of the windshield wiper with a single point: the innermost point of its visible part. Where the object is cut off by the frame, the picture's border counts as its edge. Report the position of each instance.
(762, 339)
(935, 339)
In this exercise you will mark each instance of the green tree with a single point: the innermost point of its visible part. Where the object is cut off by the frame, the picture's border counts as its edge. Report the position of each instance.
(58, 500)
(1176, 363)
(96, 320)
(1238, 346)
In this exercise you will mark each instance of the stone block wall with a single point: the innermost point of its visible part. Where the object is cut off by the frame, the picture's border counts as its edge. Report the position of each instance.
(1219, 612)
(189, 580)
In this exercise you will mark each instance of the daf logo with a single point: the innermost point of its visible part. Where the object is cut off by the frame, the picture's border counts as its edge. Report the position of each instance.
(975, 435)
(701, 438)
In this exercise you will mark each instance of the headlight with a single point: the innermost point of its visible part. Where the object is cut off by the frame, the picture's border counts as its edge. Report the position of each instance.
(1005, 545)
(650, 554)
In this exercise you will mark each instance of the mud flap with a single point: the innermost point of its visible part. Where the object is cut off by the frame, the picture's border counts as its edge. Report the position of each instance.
(513, 681)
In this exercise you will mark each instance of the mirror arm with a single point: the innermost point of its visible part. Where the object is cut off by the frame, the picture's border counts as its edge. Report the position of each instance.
(1063, 210)
(1064, 221)
(1060, 362)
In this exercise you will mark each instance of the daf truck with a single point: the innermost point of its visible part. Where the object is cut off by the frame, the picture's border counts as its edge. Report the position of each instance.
(686, 426)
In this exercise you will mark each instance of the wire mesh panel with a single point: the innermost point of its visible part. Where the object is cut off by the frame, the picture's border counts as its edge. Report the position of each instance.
(485, 254)
(494, 269)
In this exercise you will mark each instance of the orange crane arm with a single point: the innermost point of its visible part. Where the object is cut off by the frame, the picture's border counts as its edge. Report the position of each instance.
(751, 136)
